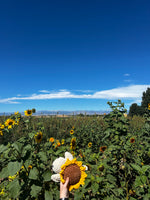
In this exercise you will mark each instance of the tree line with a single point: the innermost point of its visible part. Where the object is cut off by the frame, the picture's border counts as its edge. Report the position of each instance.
(143, 108)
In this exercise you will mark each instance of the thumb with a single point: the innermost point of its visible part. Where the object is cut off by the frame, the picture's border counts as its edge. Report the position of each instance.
(67, 181)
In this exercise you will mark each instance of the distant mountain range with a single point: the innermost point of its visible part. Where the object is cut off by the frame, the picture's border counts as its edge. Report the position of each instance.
(45, 112)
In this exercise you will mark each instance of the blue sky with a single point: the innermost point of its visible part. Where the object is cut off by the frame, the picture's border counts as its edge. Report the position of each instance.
(73, 55)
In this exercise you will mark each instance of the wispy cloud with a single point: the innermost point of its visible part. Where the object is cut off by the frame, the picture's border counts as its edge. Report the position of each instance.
(44, 91)
(128, 80)
(132, 92)
(126, 74)
(88, 91)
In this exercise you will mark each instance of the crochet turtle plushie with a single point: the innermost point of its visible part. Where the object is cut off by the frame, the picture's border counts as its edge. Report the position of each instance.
(69, 167)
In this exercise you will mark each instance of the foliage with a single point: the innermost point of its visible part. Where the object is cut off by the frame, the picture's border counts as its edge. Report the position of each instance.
(136, 110)
(141, 110)
(116, 153)
(146, 98)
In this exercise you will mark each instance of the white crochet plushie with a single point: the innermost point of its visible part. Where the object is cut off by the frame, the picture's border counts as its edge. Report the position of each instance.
(56, 166)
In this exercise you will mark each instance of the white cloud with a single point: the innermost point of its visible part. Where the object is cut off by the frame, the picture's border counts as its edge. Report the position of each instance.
(129, 92)
(44, 91)
(84, 91)
(132, 92)
(126, 74)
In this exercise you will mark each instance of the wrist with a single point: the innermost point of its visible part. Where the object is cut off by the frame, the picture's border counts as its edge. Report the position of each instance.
(64, 198)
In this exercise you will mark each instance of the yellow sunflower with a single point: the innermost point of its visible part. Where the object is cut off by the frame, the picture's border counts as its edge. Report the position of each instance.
(28, 112)
(125, 114)
(73, 143)
(103, 148)
(2, 192)
(58, 144)
(17, 122)
(38, 137)
(72, 132)
(75, 171)
(29, 167)
(132, 140)
(1, 133)
(89, 144)
(2, 126)
(16, 113)
(62, 141)
(51, 139)
(9, 123)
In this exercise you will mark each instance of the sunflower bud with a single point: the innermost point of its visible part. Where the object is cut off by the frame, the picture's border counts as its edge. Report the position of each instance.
(33, 110)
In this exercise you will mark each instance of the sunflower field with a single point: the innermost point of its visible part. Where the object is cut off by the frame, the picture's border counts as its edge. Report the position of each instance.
(114, 147)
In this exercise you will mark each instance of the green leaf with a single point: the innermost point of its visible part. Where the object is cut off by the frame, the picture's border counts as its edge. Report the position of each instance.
(143, 179)
(43, 156)
(3, 148)
(48, 195)
(18, 146)
(26, 149)
(35, 190)
(94, 188)
(147, 197)
(34, 173)
(111, 178)
(99, 179)
(59, 151)
(4, 173)
(145, 168)
(14, 167)
(136, 167)
(120, 191)
(14, 188)
(31, 135)
(78, 196)
(47, 175)
(138, 181)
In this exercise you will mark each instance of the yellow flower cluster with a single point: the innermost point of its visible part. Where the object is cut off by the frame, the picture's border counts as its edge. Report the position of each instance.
(2, 126)
(11, 178)
(16, 113)
(1, 133)
(9, 123)
(1, 129)
(62, 141)
(2, 192)
(57, 142)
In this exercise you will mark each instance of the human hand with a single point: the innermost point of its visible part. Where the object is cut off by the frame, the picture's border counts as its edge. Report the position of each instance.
(64, 189)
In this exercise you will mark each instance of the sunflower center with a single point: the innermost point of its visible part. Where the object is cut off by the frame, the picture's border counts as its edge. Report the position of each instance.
(73, 143)
(10, 123)
(39, 137)
(73, 172)
(29, 112)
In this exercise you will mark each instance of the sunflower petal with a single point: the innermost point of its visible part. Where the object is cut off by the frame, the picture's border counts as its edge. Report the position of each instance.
(55, 177)
(57, 164)
(68, 155)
